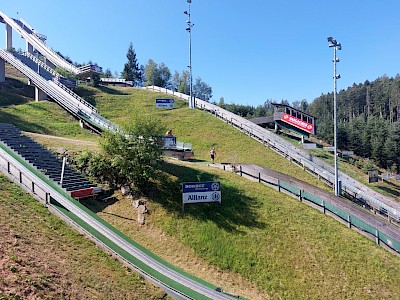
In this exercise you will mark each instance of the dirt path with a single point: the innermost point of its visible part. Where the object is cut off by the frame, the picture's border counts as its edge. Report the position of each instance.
(55, 142)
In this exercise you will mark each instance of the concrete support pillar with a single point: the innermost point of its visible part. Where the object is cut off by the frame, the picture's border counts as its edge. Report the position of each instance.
(29, 47)
(2, 70)
(302, 139)
(39, 94)
(8, 37)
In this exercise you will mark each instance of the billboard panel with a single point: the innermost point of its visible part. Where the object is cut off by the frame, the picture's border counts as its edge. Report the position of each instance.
(164, 103)
(373, 175)
(297, 123)
(196, 192)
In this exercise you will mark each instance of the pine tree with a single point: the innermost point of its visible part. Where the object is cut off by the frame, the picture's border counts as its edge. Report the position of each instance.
(131, 70)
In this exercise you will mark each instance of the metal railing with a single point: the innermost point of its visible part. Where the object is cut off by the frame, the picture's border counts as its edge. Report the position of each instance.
(61, 94)
(316, 166)
(345, 212)
(37, 43)
(42, 64)
(77, 97)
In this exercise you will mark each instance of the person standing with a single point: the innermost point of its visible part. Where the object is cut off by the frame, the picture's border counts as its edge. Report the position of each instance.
(212, 154)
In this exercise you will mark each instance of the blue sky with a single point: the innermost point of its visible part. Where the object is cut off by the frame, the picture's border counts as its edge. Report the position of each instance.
(247, 51)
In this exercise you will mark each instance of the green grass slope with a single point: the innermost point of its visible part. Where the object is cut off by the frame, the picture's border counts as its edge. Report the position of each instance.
(42, 258)
(194, 126)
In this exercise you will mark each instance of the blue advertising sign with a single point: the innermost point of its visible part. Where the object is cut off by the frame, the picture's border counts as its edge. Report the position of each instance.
(164, 103)
(195, 192)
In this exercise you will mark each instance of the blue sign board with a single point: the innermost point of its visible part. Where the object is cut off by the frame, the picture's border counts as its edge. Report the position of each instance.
(164, 103)
(195, 192)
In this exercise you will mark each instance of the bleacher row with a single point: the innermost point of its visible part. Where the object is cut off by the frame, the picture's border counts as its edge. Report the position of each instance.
(46, 162)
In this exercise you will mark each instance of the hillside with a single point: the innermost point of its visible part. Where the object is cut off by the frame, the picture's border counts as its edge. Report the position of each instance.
(42, 258)
(258, 243)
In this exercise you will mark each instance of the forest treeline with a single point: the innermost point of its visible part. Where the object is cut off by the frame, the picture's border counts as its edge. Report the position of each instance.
(368, 120)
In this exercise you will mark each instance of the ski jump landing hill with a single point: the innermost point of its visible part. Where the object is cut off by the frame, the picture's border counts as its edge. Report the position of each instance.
(47, 84)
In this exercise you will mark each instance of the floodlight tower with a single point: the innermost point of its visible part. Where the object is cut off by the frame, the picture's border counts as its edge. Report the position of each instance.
(336, 46)
(189, 30)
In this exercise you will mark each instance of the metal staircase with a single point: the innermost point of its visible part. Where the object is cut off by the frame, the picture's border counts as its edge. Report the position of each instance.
(65, 97)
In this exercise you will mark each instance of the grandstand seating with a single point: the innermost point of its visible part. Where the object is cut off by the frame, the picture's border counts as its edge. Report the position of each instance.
(46, 162)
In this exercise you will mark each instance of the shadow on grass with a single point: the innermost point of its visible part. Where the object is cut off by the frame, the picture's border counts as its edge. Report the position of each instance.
(20, 123)
(111, 91)
(196, 160)
(121, 217)
(99, 204)
(394, 192)
(236, 209)
(87, 95)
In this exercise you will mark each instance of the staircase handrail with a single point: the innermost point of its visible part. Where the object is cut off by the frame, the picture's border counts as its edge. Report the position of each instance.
(40, 82)
(42, 64)
(40, 45)
(77, 97)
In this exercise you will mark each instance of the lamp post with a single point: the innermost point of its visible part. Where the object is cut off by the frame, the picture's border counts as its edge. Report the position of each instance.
(189, 30)
(336, 46)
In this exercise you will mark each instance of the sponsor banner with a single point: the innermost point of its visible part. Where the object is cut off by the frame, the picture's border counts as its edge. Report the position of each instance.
(82, 193)
(96, 69)
(196, 192)
(297, 123)
(164, 103)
